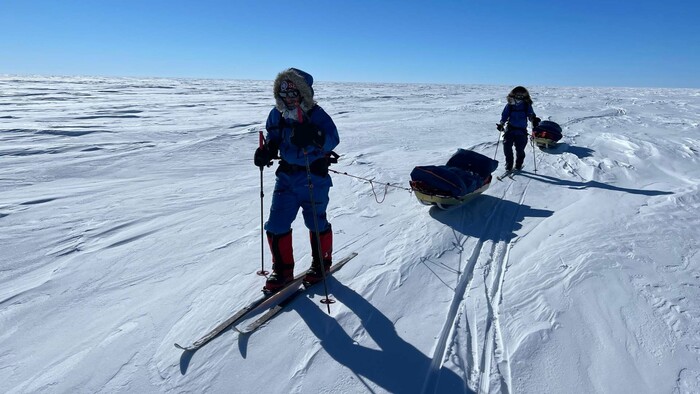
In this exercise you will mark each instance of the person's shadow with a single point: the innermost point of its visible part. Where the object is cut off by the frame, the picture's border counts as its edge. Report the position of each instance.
(397, 366)
(590, 184)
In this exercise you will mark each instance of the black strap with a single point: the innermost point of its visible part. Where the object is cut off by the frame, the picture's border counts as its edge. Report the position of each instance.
(289, 167)
(332, 157)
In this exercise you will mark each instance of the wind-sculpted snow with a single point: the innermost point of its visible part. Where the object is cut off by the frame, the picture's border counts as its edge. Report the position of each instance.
(130, 220)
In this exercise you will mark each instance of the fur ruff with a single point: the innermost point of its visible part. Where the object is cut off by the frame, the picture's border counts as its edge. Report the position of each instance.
(519, 90)
(305, 91)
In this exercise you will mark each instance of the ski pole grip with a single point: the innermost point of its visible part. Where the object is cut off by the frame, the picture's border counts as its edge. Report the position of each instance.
(261, 139)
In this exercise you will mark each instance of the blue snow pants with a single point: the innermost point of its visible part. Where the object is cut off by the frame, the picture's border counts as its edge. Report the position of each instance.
(291, 193)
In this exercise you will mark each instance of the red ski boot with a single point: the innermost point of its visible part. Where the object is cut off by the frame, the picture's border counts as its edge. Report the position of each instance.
(282, 262)
(314, 273)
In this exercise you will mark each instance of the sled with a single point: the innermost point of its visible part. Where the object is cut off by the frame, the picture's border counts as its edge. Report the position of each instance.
(544, 143)
(465, 175)
(429, 197)
(547, 134)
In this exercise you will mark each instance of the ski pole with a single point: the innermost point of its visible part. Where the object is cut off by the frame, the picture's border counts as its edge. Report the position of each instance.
(317, 234)
(532, 143)
(498, 141)
(262, 271)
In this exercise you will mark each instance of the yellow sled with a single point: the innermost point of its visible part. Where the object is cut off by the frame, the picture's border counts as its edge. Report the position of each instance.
(545, 143)
(446, 202)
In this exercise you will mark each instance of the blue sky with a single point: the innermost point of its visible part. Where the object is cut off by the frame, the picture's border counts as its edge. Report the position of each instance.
(531, 42)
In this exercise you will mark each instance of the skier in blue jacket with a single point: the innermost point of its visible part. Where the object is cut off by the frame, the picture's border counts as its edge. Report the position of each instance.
(517, 112)
(302, 135)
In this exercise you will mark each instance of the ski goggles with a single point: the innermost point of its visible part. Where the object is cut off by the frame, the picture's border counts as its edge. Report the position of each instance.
(289, 93)
(519, 96)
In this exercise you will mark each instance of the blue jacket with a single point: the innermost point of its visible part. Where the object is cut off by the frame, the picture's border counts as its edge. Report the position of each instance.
(280, 136)
(517, 115)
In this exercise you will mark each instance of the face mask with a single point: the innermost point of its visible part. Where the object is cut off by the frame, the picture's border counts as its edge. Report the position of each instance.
(514, 101)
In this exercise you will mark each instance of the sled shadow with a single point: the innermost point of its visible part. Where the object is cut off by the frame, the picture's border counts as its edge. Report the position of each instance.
(396, 366)
(585, 185)
(504, 217)
(580, 151)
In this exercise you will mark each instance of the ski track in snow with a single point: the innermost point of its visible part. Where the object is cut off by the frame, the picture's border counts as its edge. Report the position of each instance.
(488, 364)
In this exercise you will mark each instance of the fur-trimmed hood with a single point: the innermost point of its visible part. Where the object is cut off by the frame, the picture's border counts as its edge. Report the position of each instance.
(303, 81)
(519, 93)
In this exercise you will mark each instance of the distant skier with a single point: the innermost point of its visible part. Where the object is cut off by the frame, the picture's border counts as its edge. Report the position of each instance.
(303, 135)
(516, 113)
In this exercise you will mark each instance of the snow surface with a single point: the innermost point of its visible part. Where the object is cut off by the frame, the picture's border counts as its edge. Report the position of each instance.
(130, 220)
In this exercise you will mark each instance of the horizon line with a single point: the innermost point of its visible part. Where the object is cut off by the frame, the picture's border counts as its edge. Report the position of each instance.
(6, 75)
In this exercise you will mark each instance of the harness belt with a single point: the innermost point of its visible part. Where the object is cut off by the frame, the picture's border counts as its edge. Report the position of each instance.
(318, 167)
(289, 167)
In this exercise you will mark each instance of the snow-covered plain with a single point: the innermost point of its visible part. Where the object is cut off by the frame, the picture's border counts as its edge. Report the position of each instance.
(130, 220)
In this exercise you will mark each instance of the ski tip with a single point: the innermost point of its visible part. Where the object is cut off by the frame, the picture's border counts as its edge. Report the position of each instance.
(187, 348)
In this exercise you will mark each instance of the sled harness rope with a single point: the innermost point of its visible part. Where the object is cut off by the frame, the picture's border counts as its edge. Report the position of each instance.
(372, 182)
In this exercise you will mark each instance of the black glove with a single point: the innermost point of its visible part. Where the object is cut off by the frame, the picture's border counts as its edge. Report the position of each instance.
(305, 134)
(262, 157)
(499, 127)
(535, 121)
